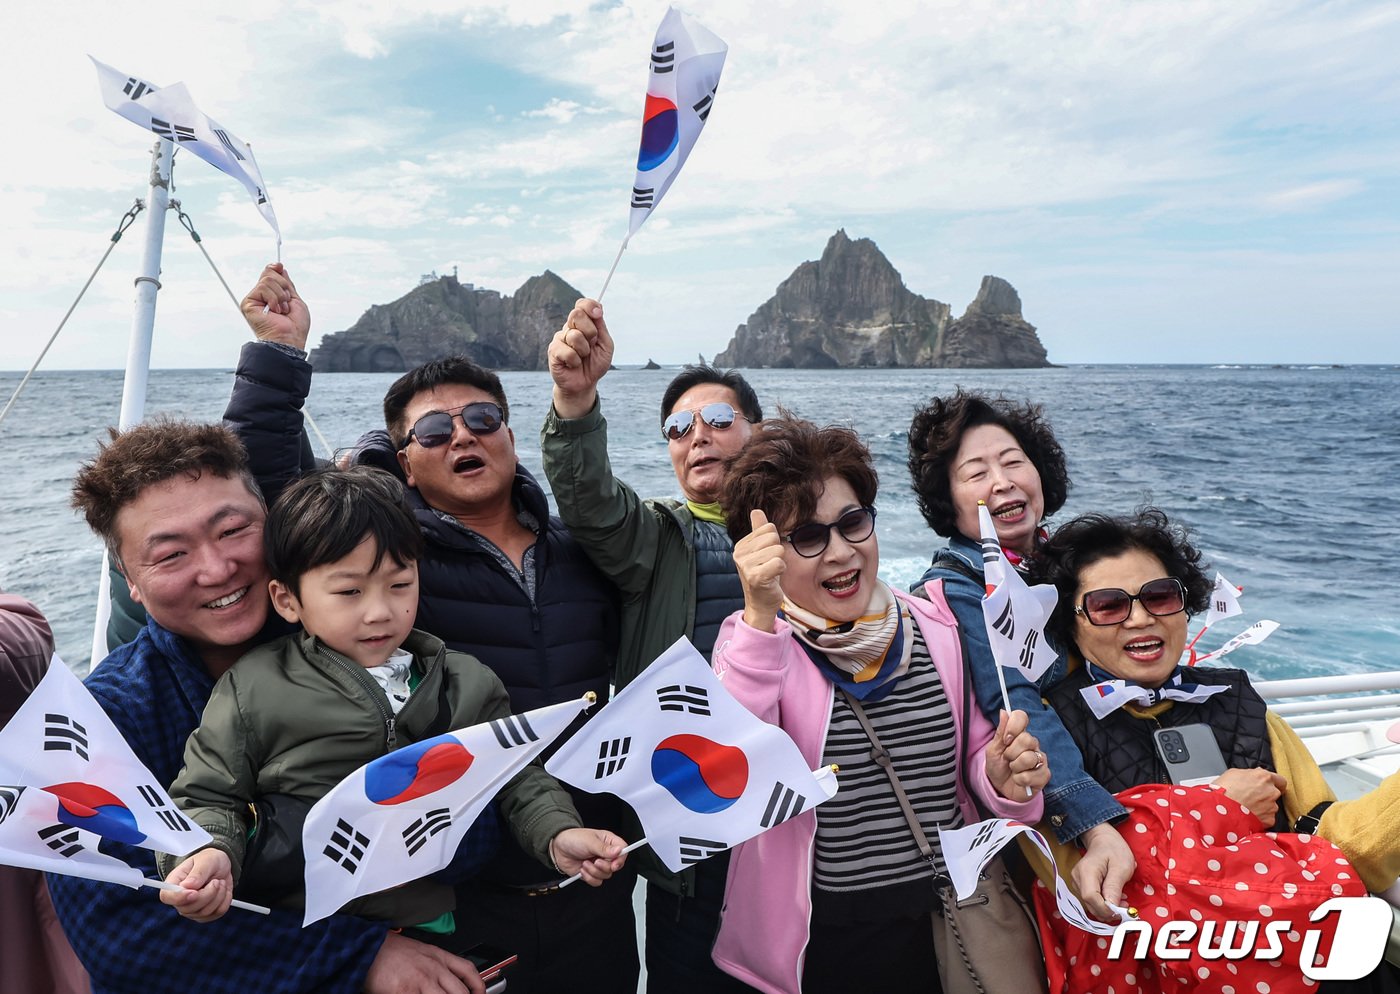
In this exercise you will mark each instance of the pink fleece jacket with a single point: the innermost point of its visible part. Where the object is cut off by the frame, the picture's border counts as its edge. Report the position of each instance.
(765, 924)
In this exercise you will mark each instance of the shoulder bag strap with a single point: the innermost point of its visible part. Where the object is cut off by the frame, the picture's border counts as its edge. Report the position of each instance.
(881, 756)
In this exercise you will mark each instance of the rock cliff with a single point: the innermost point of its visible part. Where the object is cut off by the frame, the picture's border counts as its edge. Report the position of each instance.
(444, 316)
(851, 308)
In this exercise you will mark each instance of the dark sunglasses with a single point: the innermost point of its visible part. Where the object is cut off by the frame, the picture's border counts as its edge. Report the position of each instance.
(811, 539)
(432, 430)
(1111, 606)
(719, 416)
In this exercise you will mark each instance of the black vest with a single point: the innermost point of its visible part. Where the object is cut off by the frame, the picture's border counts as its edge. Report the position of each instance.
(550, 651)
(1119, 751)
(718, 592)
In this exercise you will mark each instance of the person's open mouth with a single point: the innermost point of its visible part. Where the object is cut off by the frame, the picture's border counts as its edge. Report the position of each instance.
(228, 600)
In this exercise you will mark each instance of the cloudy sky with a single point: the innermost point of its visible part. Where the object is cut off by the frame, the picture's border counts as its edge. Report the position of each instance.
(1180, 181)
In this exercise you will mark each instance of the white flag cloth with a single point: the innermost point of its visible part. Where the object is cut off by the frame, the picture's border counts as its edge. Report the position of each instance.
(1015, 613)
(1224, 601)
(34, 835)
(699, 769)
(686, 60)
(62, 743)
(403, 815)
(169, 112)
(967, 851)
(1252, 635)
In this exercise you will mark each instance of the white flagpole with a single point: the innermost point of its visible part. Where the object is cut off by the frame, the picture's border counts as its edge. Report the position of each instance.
(245, 905)
(138, 353)
(579, 876)
(616, 259)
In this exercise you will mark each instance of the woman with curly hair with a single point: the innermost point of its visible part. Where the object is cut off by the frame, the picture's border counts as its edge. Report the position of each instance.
(839, 898)
(1126, 588)
(969, 448)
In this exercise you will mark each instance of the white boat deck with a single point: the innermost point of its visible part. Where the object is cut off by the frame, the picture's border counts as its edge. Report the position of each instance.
(1346, 722)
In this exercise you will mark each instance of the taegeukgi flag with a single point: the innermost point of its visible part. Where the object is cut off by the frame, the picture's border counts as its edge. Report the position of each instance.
(686, 60)
(700, 770)
(402, 816)
(62, 758)
(170, 112)
(967, 851)
(1224, 601)
(36, 833)
(1015, 613)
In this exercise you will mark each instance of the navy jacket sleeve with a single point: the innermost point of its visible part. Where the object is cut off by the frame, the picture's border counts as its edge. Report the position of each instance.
(1074, 801)
(130, 942)
(269, 388)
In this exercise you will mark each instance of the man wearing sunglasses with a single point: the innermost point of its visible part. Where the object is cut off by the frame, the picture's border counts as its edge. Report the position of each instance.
(673, 562)
(500, 578)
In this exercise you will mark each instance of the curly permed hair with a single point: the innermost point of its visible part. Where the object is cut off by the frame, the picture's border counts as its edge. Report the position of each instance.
(1089, 538)
(153, 452)
(781, 468)
(937, 432)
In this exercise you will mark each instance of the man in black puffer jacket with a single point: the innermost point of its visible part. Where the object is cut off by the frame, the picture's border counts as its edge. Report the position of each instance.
(501, 579)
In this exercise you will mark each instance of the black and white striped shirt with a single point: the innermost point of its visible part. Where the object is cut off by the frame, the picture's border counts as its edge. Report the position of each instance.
(863, 840)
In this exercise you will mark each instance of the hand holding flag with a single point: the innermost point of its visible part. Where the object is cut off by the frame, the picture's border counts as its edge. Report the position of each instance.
(686, 60)
(967, 851)
(68, 780)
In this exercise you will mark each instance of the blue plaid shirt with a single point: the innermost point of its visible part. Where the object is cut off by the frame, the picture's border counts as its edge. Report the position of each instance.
(155, 690)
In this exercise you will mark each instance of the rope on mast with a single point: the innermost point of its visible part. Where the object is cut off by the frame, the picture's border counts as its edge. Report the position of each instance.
(188, 224)
(122, 225)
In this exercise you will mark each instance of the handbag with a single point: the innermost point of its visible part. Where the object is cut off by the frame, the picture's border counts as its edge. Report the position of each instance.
(986, 943)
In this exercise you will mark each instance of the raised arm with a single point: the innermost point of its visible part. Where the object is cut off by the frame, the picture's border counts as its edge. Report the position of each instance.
(616, 528)
(271, 383)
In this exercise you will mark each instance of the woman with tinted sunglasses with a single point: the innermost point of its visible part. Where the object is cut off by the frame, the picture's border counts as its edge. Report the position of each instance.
(1126, 589)
(971, 447)
(820, 640)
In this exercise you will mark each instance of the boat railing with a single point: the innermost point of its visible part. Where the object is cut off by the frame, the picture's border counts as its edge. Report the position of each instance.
(1340, 718)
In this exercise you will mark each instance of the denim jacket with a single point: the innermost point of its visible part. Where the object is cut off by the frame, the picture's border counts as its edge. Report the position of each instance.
(1074, 801)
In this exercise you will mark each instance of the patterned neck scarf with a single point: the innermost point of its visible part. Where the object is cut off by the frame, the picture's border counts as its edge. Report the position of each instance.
(392, 676)
(865, 657)
(1110, 693)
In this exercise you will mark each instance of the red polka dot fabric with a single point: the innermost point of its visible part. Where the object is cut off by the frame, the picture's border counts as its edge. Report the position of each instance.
(1204, 859)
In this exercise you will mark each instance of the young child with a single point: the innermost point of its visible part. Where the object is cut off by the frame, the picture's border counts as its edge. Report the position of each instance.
(299, 714)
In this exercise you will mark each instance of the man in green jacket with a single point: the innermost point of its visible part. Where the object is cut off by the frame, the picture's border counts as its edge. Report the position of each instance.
(672, 562)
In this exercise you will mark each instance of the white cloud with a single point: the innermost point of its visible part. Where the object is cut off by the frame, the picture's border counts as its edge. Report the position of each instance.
(1016, 137)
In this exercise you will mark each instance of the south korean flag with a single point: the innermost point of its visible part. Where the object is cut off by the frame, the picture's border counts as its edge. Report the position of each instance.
(34, 834)
(170, 113)
(62, 744)
(1224, 601)
(1015, 613)
(702, 773)
(967, 851)
(403, 815)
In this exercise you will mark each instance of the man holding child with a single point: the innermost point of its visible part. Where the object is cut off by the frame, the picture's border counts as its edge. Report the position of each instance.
(182, 517)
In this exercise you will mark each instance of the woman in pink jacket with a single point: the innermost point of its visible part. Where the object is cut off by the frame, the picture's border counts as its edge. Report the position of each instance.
(840, 898)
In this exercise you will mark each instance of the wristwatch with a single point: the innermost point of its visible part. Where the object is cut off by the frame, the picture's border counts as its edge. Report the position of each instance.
(1307, 824)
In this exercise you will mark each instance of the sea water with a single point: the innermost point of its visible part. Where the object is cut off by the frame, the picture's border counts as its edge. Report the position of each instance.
(1288, 476)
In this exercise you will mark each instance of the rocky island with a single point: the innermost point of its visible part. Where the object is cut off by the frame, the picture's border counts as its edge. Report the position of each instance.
(442, 316)
(851, 308)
